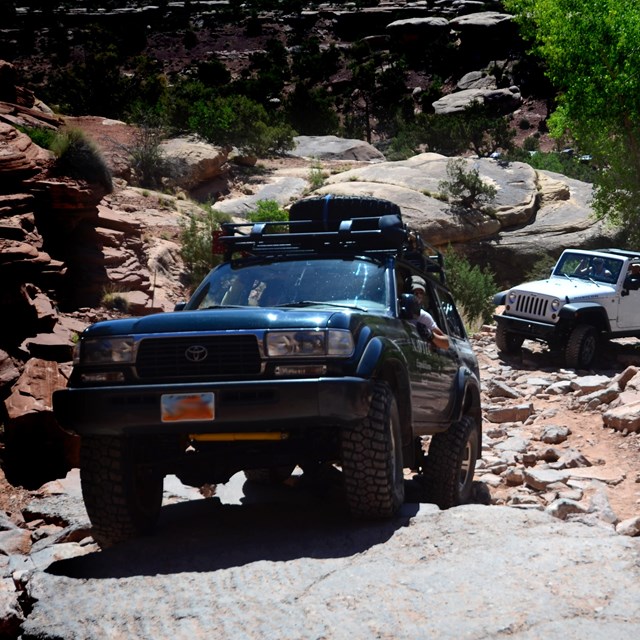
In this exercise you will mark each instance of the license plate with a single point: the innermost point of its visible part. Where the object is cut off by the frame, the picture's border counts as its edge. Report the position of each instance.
(187, 407)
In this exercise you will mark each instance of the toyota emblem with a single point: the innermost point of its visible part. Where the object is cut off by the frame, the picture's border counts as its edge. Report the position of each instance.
(196, 353)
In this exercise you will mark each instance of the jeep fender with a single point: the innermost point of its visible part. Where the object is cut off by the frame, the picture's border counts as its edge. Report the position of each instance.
(500, 298)
(585, 313)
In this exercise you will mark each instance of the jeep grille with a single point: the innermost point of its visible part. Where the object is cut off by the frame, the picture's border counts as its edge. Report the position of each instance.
(215, 356)
(530, 306)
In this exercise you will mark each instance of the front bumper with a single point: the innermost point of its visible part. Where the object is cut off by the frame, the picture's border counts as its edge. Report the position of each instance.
(532, 329)
(245, 406)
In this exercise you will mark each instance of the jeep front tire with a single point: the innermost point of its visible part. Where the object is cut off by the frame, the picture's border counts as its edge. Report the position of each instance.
(581, 347)
(506, 341)
(372, 463)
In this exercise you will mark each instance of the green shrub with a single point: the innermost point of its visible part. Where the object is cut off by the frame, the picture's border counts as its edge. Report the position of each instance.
(466, 187)
(42, 137)
(147, 162)
(472, 287)
(268, 211)
(316, 176)
(77, 157)
(196, 235)
(541, 268)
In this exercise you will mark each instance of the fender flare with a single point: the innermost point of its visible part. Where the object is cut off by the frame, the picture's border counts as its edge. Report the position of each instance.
(585, 313)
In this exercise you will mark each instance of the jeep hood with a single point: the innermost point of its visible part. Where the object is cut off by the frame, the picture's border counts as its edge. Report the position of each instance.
(232, 319)
(563, 288)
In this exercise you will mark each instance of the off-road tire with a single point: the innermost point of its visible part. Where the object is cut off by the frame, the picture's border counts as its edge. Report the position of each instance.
(372, 463)
(451, 463)
(123, 497)
(506, 341)
(269, 475)
(581, 347)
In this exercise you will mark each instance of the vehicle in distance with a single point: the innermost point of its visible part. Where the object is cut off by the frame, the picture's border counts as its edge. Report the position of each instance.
(590, 297)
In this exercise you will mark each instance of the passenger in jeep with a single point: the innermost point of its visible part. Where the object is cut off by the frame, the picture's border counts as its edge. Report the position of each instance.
(434, 333)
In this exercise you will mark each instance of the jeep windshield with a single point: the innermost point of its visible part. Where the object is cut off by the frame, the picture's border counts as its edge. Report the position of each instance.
(588, 267)
(353, 283)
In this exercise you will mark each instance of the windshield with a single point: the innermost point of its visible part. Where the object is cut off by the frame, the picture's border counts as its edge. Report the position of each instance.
(588, 267)
(353, 283)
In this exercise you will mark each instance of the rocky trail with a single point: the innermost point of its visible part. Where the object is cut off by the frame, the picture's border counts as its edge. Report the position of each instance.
(558, 496)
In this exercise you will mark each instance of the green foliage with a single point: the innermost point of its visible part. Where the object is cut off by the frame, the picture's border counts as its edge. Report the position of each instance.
(465, 186)
(565, 163)
(541, 268)
(316, 176)
(592, 57)
(473, 287)
(147, 162)
(311, 111)
(78, 158)
(268, 211)
(238, 121)
(42, 137)
(196, 235)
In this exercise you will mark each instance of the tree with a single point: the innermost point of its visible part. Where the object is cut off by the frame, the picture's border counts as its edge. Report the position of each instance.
(591, 51)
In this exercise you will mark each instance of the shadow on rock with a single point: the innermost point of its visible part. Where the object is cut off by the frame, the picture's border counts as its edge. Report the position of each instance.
(272, 523)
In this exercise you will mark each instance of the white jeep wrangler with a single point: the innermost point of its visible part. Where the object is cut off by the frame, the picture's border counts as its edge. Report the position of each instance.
(590, 296)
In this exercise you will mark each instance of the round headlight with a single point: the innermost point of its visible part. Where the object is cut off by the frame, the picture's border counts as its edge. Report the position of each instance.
(511, 297)
(555, 304)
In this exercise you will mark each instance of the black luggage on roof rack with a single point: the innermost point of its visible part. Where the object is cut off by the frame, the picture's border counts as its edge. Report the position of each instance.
(325, 213)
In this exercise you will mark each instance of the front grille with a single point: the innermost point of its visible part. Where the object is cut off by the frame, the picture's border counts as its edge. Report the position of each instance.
(531, 306)
(220, 356)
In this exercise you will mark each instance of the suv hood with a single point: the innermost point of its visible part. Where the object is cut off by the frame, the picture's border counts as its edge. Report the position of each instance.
(566, 288)
(231, 319)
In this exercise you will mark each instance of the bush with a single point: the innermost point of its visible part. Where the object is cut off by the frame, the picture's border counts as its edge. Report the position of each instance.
(197, 236)
(78, 158)
(464, 187)
(42, 137)
(268, 211)
(472, 287)
(147, 162)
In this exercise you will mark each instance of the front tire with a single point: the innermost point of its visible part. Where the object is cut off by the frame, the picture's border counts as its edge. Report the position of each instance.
(372, 463)
(122, 495)
(451, 464)
(506, 341)
(581, 347)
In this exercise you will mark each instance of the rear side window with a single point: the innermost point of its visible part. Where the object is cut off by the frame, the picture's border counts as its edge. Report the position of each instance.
(451, 315)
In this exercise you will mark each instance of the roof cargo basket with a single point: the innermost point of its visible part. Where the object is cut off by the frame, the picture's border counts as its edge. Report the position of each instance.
(333, 224)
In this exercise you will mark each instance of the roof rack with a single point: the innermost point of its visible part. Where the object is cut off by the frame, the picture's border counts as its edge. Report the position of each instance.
(372, 235)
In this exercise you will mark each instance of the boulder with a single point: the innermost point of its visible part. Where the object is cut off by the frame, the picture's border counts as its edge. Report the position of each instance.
(499, 101)
(335, 148)
(192, 162)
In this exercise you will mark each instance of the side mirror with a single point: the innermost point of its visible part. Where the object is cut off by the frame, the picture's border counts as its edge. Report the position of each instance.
(409, 307)
(180, 306)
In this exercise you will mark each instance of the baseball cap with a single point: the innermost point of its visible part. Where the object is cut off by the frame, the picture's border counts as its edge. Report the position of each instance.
(418, 283)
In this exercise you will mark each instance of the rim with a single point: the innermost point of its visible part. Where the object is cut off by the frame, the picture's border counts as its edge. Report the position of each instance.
(467, 464)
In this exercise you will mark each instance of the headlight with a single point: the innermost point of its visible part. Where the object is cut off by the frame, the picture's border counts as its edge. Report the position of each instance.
(310, 343)
(511, 297)
(107, 351)
(555, 304)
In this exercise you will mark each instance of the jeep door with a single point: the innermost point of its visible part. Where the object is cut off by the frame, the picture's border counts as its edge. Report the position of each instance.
(628, 306)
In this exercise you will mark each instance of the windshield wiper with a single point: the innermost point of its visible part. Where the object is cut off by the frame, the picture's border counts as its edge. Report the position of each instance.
(310, 303)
